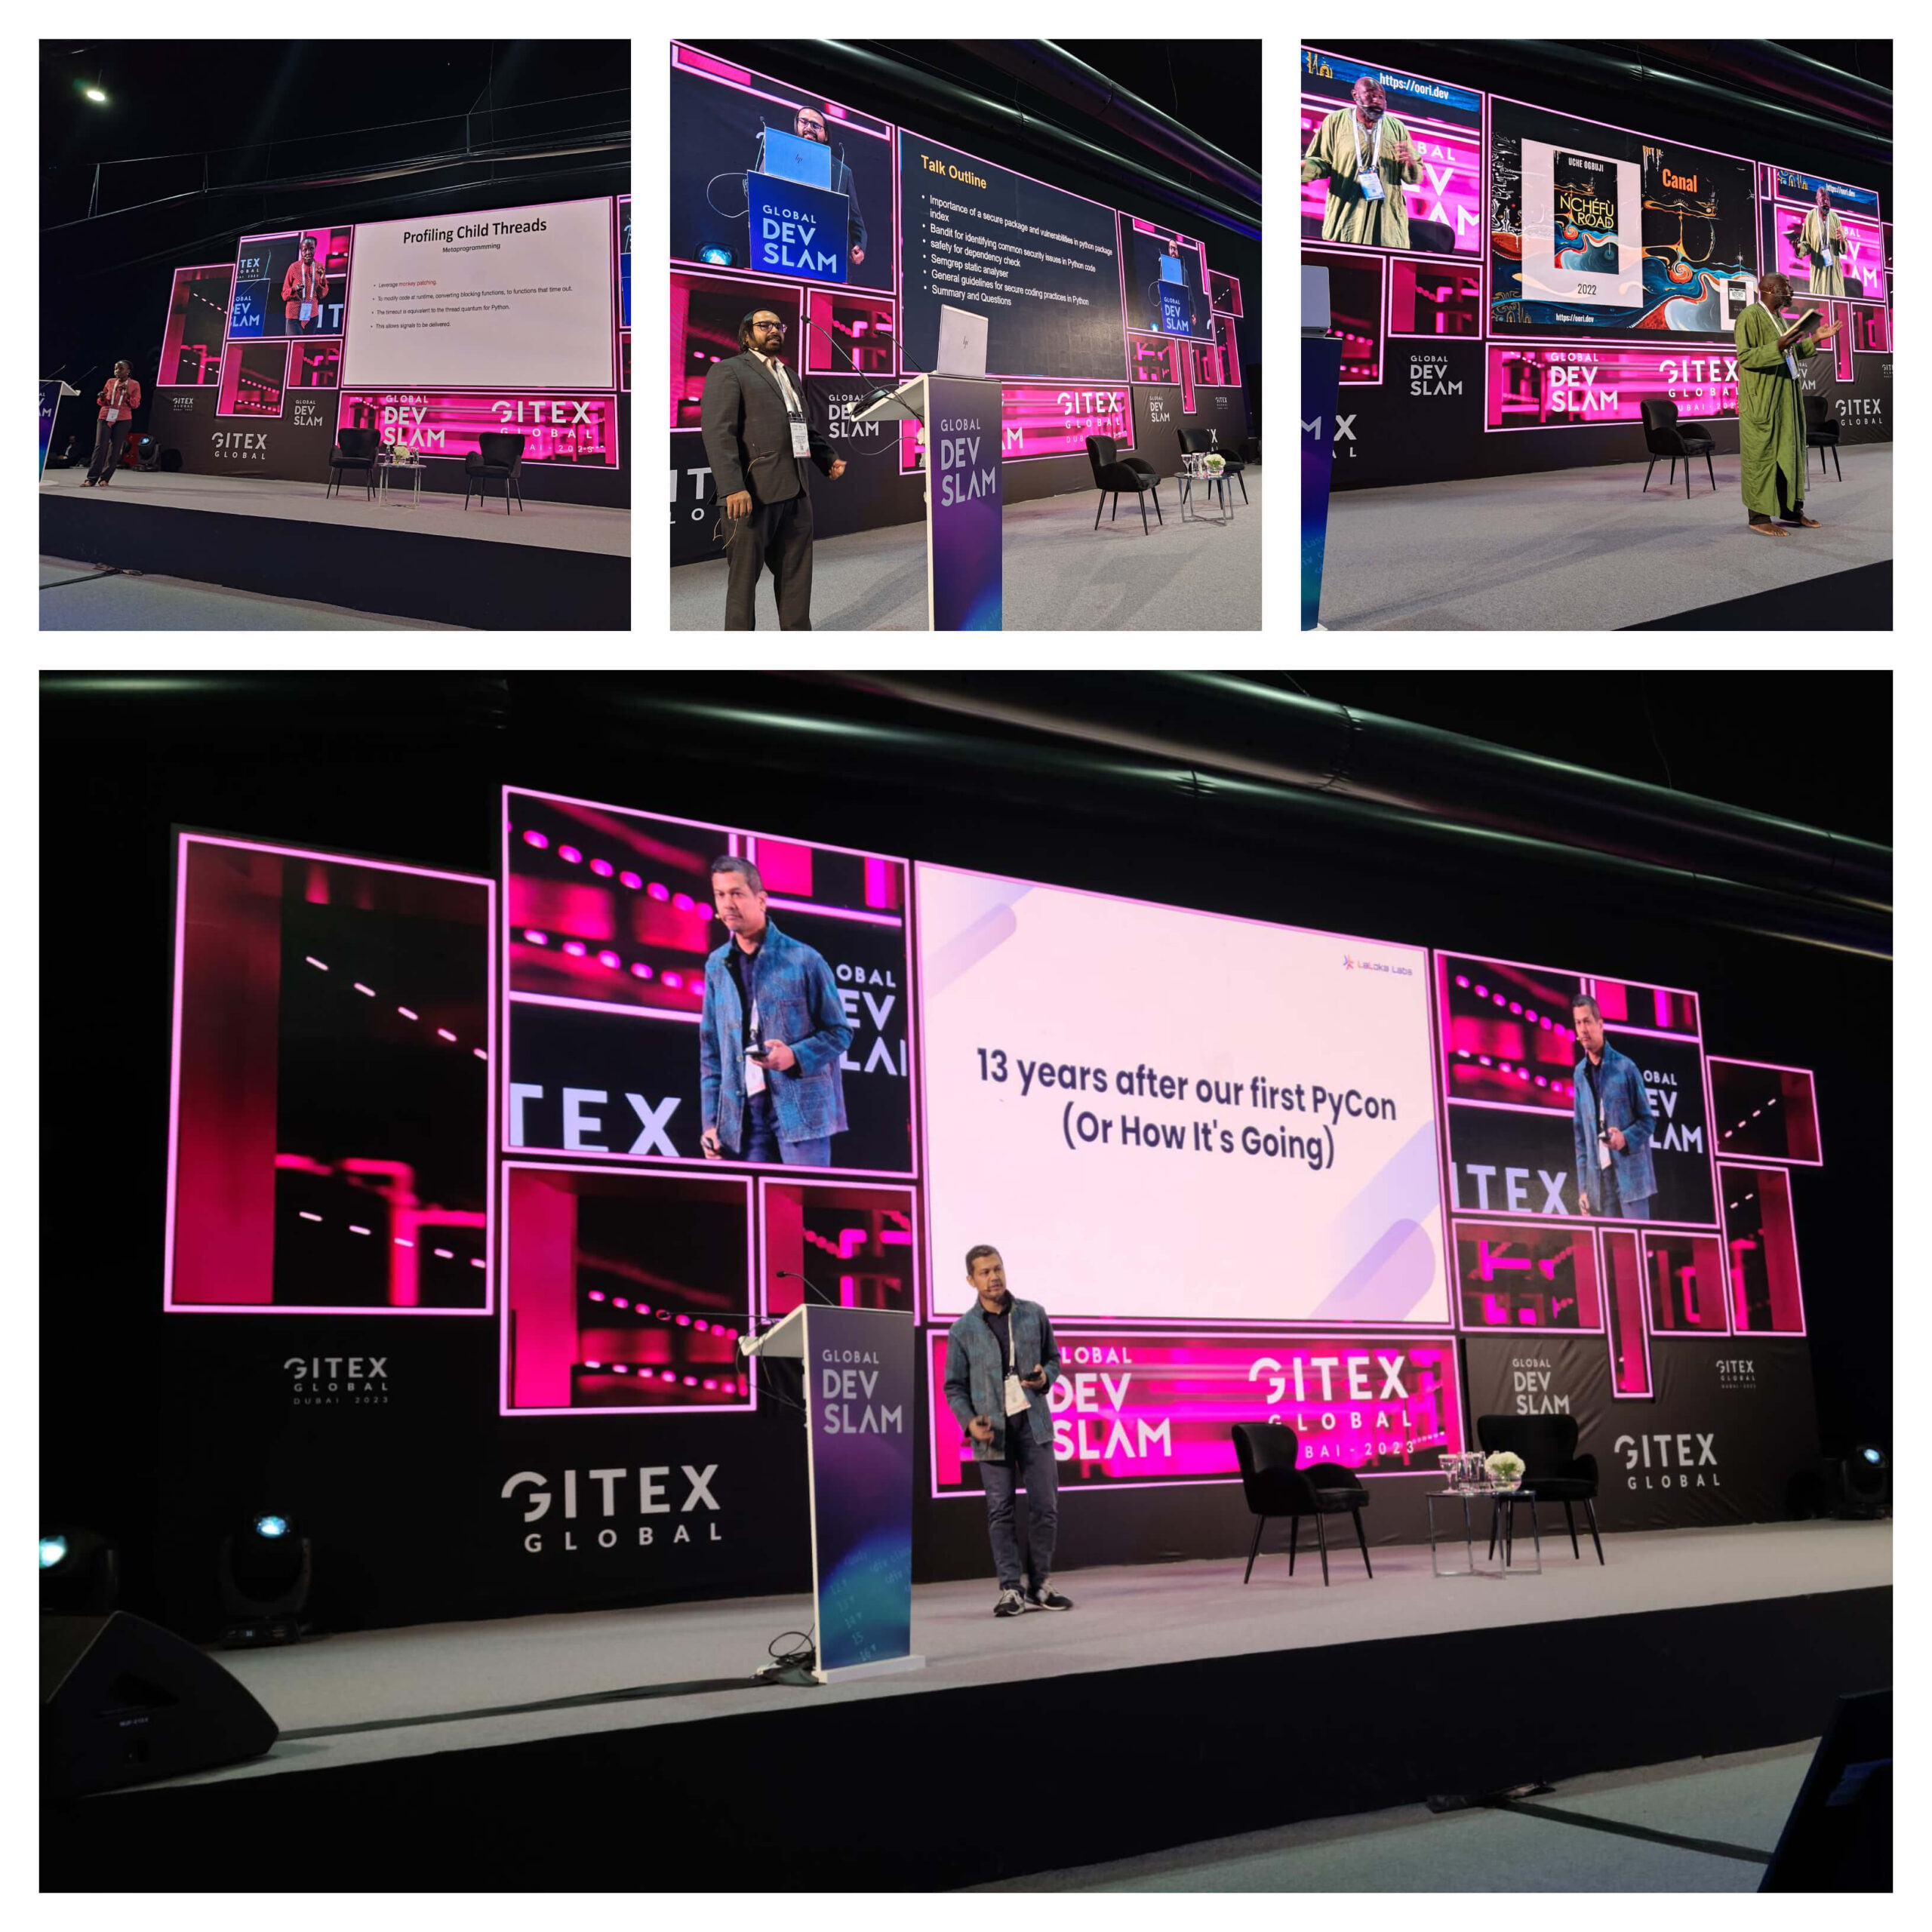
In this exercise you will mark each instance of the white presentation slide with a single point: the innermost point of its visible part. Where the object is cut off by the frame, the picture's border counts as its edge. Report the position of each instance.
(513, 298)
(1170, 1115)
(1615, 190)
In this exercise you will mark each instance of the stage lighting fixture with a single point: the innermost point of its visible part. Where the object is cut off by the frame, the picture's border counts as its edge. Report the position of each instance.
(267, 1569)
(718, 257)
(1865, 1481)
(80, 1573)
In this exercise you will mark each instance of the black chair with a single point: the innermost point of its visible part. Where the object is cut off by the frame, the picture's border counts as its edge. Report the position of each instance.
(1267, 1452)
(1113, 471)
(355, 449)
(1552, 1470)
(498, 453)
(1437, 237)
(1821, 433)
(1664, 435)
(1200, 442)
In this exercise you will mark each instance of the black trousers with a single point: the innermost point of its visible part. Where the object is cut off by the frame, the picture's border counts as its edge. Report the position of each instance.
(109, 440)
(780, 535)
(1787, 513)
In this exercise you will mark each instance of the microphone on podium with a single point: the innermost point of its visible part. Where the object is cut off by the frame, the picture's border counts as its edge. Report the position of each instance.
(787, 1274)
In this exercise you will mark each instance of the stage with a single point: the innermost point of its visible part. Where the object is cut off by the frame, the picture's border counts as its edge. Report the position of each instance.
(544, 567)
(1059, 573)
(1590, 550)
(1226, 1709)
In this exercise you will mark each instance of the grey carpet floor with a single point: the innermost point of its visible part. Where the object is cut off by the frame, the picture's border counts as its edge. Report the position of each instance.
(1741, 1801)
(1583, 549)
(1060, 573)
(119, 601)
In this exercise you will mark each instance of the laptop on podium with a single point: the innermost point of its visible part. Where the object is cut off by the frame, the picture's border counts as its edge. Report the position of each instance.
(962, 344)
(792, 157)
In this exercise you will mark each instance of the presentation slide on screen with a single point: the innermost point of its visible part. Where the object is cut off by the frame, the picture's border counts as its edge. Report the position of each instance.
(1596, 227)
(1171, 1115)
(1041, 264)
(518, 297)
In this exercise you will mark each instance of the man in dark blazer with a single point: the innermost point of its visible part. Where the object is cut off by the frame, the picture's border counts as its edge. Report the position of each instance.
(757, 434)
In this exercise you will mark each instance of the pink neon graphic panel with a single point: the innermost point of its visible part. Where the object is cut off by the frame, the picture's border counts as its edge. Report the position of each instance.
(1544, 388)
(1623, 1306)
(1441, 299)
(1042, 419)
(1863, 268)
(1761, 1246)
(1687, 1284)
(1765, 1113)
(624, 1291)
(1132, 1409)
(331, 1114)
(196, 326)
(853, 1242)
(565, 431)
(1527, 1274)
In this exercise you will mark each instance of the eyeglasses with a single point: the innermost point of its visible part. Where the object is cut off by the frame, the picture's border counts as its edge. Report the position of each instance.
(768, 328)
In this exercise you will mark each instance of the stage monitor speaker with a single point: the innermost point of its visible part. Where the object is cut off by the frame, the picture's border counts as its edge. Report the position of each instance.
(1838, 1837)
(123, 1701)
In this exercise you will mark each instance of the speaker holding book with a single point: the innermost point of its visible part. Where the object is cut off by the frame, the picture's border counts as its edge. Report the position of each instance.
(123, 1701)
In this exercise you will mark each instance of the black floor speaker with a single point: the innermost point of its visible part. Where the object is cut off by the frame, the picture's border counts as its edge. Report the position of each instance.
(123, 1701)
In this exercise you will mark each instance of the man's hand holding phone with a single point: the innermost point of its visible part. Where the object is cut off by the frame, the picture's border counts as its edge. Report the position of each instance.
(980, 1429)
(714, 1148)
(775, 1054)
(1038, 1380)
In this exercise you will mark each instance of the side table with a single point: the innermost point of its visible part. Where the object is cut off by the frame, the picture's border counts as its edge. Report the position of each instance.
(413, 471)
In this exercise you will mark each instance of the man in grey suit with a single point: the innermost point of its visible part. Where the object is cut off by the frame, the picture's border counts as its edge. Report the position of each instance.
(758, 436)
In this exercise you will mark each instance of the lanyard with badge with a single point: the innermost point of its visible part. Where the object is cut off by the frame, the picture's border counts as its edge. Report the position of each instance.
(1601, 1080)
(1016, 1403)
(116, 391)
(1369, 178)
(308, 290)
(801, 441)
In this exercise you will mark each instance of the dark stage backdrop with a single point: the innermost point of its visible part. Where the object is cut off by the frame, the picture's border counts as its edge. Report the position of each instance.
(382, 1434)
(1615, 261)
(957, 220)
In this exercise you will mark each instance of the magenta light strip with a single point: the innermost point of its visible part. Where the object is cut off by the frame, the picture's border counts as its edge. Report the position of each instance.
(833, 912)
(700, 824)
(604, 1006)
(1586, 980)
(503, 1407)
(897, 1186)
(1649, 1391)
(182, 842)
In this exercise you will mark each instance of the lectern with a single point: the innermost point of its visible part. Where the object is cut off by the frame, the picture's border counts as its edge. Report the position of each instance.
(859, 1370)
(964, 494)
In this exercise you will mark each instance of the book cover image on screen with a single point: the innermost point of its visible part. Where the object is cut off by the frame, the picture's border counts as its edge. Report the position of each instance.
(1040, 264)
(507, 298)
(1175, 1116)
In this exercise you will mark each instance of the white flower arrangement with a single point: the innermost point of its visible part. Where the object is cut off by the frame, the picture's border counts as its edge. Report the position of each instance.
(1505, 1467)
(1213, 463)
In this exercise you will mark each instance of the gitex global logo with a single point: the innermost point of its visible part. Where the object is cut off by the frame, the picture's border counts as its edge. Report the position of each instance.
(1688, 1460)
(1737, 1372)
(241, 445)
(654, 1493)
(328, 1381)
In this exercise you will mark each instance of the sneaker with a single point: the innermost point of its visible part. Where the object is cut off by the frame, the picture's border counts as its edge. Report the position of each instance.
(1047, 1597)
(1011, 1603)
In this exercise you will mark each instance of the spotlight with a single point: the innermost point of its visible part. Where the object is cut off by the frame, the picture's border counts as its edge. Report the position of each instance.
(1865, 1483)
(267, 1569)
(718, 257)
(80, 1573)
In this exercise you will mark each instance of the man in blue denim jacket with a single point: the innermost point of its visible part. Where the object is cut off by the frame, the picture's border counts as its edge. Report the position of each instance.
(1614, 1124)
(772, 1038)
(1001, 1359)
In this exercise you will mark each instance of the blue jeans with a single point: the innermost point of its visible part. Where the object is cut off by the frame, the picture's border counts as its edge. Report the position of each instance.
(1036, 1467)
(762, 1144)
(1615, 1204)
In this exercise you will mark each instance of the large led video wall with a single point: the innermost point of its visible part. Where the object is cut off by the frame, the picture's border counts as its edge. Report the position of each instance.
(1537, 271)
(1098, 322)
(667, 1077)
(433, 331)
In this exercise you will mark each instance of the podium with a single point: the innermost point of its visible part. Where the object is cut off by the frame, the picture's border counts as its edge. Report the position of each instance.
(53, 391)
(964, 528)
(859, 1369)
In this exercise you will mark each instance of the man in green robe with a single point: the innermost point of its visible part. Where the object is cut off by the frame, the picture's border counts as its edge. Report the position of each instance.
(1365, 139)
(1770, 409)
(1822, 238)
